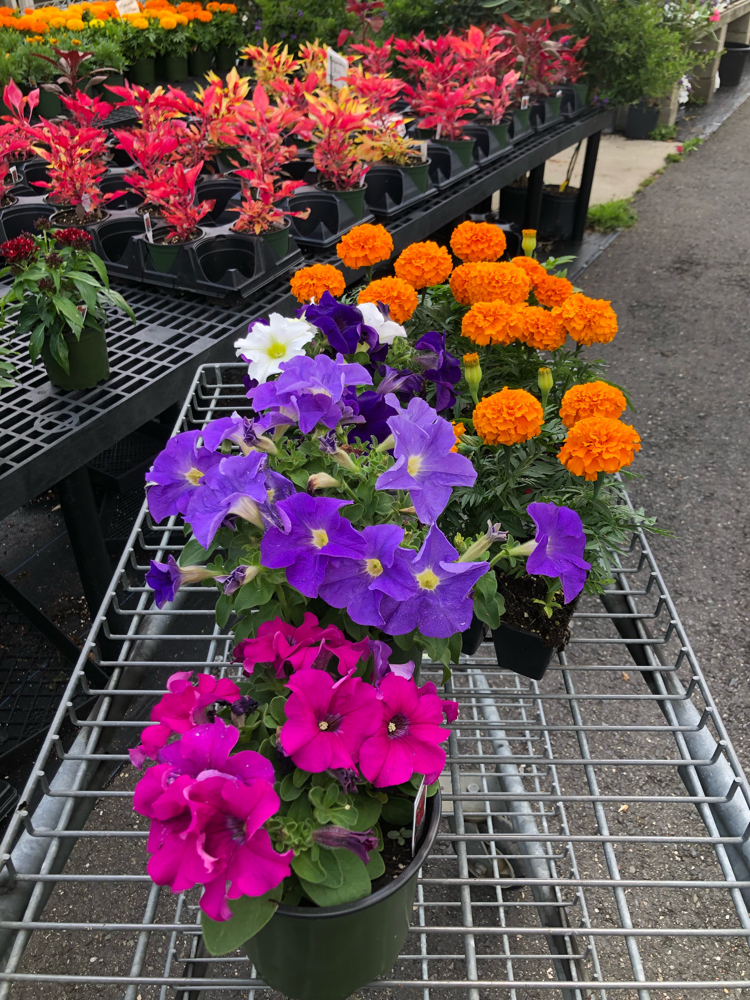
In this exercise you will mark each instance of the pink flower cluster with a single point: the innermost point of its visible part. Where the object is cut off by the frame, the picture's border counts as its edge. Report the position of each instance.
(309, 645)
(207, 811)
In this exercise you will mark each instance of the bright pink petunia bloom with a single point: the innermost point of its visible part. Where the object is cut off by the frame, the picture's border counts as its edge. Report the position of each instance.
(409, 736)
(450, 707)
(180, 710)
(207, 811)
(310, 645)
(327, 720)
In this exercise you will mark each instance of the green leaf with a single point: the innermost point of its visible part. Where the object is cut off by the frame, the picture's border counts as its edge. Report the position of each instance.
(254, 594)
(300, 809)
(368, 813)
(223, 610)
(329, 860)
(86, 291)
(67, 310)
(355, 882)
(287, 790)
(375, 866)
(249, 915)
(36, 342)
(331, 796)
(194, 552)
(309, 869)
(59, 350)
(277, 709)
(398, 811)
(300, 777)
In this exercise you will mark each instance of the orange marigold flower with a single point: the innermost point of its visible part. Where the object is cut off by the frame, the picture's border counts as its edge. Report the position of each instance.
(589, 321)
(458, 430)
(474, 241)
(508, 417)
(552, 291)
(310, 282)
(592, 399)
(505, 282)
(532, 267)
(471, 359)
(395, 293)
(543, 330)
(599, 444)
(493, 323)
(364, 246)
(424, 265)
(460, 282)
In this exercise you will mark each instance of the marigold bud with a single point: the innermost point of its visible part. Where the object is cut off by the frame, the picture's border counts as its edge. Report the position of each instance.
(473, 374)
(545, 380)
(528, 243)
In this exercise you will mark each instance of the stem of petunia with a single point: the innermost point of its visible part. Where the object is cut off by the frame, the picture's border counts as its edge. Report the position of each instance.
(282, 600)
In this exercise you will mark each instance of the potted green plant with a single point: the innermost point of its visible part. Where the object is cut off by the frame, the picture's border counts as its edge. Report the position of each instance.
(203, 39)
(58, 295)
(173, 45)
(228, 34)
(139, 45)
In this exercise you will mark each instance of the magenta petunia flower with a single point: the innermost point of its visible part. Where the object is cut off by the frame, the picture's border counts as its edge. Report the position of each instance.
(182, 708)
(317, 533)
(359, 584)
(309, 645)
(560, 543)
(176, 473)
(408, 738)
(450, 707)
(425, 465)
(327, 720)
(441, 605)
(381, 666)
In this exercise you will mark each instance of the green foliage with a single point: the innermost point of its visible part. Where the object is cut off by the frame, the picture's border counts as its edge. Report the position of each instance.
(687, 147)
(612, 215)
(664, 133)
(249, 915)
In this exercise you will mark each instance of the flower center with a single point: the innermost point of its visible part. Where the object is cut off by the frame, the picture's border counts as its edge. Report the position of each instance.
(330, 724)
(276, 350)
(236, 828)
(373, 567)
(194, 476)
(414, 465)
(398, 726)
(427, 580)
(319, 538)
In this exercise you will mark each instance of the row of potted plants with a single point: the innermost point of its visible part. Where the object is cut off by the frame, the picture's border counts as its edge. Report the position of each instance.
(420, 459)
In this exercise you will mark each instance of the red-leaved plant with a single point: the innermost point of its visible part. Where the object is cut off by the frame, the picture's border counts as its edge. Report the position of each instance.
(260, 134)
(173, 194)
(538, 53)
(378, 91)
(370, 17)
(376, 58)
(76, 162)
(13, 145)
(336, 120)
(259, 211)
(496, 95)
(447, 111)
(21, 108)
(482, 53)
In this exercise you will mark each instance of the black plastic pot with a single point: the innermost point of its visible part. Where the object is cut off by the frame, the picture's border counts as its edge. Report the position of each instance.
(299, 168)
(328, 952)
(391, 189)
(732, 64)
(20, 218)
(225, 192)
(642, 120)
(226, 58)
(557, 217)
(513, 203)
(143, 72)
(175, 68)
(113, 80)
(522, 652)
(50, 105)
(546, 113)
(473, 637)
(200, 62)
(574, 98)
(130, 199)
(332, 213)
(451, 160)
(490, 141)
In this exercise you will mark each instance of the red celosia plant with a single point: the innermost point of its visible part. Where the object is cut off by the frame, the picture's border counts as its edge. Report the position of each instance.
(447, 111)
(213, 116)
(152, 107)
(538, 53)
(294, 93)
(312, 58)
(21, 108)
(173, 194)
(378, 91)
(260, 134)
(335, 121)
(259, 211)
(151, 152)
(482, 53)
(76, 162)
(376, 58)
(270, 63)
(496, 95)
(86, 110)
(370, 18)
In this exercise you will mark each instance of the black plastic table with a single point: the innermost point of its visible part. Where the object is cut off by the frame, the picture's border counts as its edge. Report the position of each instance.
(47, 436)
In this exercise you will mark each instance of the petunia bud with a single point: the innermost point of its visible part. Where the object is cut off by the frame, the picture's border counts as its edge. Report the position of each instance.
(473, 375)
(388, 445)
(195, 574)
(545, 381)
(360, 844)
(344, 459)
(263, 443)
(528, 243)
(321, 481)
(477, 549)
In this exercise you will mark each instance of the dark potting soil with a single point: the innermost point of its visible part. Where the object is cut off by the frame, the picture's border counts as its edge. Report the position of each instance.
(69, 217)
(7, 200)
(171, 241)
(396, 857)
(521, 612)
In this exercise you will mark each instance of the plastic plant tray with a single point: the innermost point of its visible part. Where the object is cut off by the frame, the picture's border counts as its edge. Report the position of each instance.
(594, 838)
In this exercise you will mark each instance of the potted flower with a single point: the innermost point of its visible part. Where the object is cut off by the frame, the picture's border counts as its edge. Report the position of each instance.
(259, 212)
(228, 34)
(140, 37)
(203, 39)
(493, 103)
(58, 295)
(446, 113)
(172, 191)
(173, 43)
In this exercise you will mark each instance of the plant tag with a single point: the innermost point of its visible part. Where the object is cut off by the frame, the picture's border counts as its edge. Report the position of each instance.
(337, 67)
(524, 102)
(559, 93)
(86, 203)
(438, 130)
(127, 7)
(417, 820)
(147, 224)
(83, 309)
(423, 150)
(14, 174)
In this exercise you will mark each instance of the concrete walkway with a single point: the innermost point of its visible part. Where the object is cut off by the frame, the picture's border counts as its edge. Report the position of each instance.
(680, 281)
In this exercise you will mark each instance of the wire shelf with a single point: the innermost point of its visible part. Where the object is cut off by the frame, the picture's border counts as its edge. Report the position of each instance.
(594, 836)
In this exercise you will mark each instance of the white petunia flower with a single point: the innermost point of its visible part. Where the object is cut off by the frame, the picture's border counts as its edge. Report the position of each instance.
(266, 346)
(386, 329)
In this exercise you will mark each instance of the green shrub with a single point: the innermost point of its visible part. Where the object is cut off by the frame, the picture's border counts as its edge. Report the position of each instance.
(612, 215)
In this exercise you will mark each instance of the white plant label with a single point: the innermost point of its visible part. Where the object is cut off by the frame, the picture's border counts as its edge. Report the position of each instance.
(147, 224)
(439, 130)
(86, 203)
(423, 150)
(337, 67)
(127, 7)
(524, 103)
(14, 174)
(83, 310)
(417, 820)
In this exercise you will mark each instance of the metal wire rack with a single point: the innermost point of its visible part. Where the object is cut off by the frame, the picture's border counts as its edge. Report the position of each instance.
(595, 825)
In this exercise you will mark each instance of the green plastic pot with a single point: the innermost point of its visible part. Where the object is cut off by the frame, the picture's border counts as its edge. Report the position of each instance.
(278, 240)
(328, 952)
(581, 91)
(143, 72)
(500, 132)
(419, 173)
(200, 62)
(87, 357)
(175, 69)
(113, 80)
(521, 121)
(463, 148)
(226, 58)
(553, 107)
(50, 105)
(355, 199)
(163, 255)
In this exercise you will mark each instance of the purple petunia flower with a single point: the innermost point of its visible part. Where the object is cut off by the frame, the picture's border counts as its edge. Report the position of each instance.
(441, 605)
(237, 486)
(359, 584)
(336, 836)
(176, 473)
(310, 389)
(239, 429)
(343, 325)
(560, 542)
(165, 579)
(372, 415)
(381, 665)
(440, 367)
(403, 383)
(317, 533)
(425, 464)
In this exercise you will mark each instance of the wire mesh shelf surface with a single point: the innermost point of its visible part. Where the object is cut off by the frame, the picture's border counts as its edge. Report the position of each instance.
(595, 824)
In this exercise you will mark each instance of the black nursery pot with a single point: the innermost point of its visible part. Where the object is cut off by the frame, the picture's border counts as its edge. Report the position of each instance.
(332, 213)
(558, 213)
(391, 189)
(642, 120)
(732, 64)
(522, 652)
(328, 952)
(473, 637)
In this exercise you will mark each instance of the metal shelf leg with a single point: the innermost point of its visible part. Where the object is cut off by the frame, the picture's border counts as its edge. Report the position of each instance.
(584, 191)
